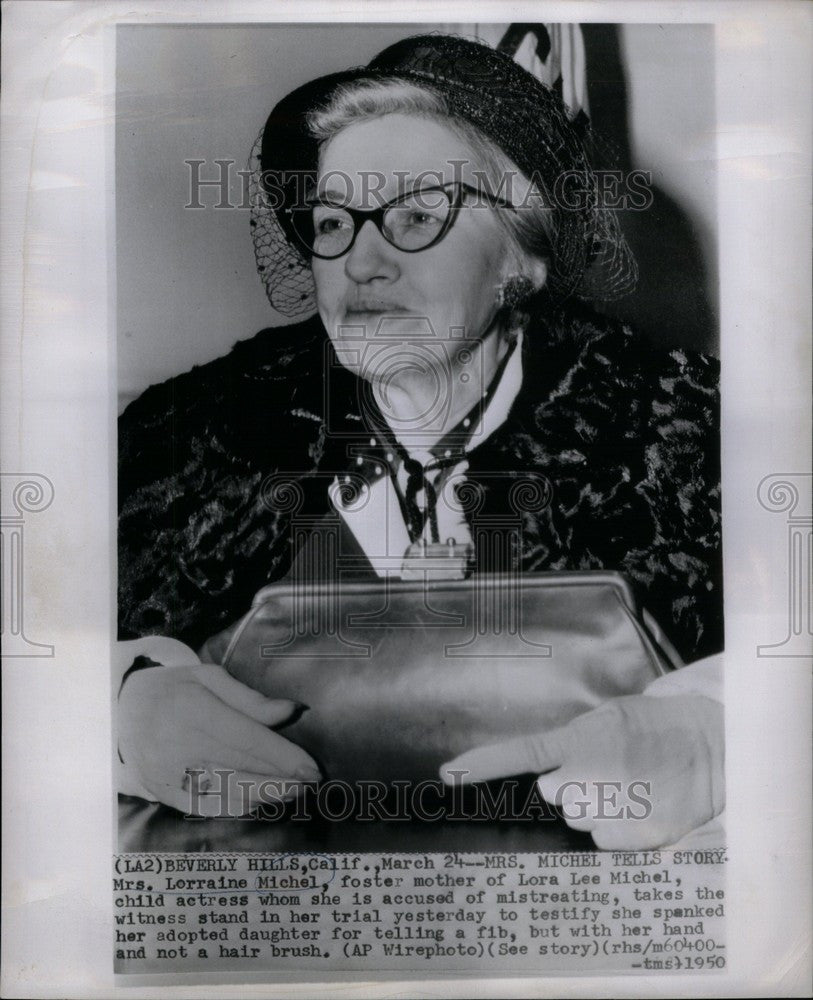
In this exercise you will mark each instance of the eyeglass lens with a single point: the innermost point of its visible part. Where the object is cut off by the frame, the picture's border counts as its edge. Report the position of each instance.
(411, 223)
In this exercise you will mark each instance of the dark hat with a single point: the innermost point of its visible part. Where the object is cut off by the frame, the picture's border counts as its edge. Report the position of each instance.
(508, 105)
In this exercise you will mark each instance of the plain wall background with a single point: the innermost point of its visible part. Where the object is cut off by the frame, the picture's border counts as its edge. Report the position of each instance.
(187, 288)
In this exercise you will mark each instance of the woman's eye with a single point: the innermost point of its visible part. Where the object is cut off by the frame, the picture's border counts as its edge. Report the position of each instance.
(421, 218)
(329, 224)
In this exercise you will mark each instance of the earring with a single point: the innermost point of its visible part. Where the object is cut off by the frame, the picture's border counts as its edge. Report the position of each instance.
(514, 291)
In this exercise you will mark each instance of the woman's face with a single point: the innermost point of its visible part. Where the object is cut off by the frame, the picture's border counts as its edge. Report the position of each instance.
(379, 303)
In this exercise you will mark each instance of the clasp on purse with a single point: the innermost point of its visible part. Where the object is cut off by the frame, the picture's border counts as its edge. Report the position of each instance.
(448, 560)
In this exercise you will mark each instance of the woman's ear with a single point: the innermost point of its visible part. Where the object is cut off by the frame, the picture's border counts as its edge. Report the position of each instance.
(527, 268)
(517, 287)
(538, 272)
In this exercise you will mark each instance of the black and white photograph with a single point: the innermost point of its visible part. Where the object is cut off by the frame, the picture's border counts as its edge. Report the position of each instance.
(452, 500)
(433, 537)
(432, 562)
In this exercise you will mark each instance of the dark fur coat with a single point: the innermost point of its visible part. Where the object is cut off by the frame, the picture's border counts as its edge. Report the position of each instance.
(626, 438)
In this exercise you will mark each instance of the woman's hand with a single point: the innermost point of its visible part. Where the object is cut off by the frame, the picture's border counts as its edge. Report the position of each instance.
(637, 772)
(178, 725)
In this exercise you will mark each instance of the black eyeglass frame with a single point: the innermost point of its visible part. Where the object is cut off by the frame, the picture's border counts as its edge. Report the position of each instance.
(376, 215)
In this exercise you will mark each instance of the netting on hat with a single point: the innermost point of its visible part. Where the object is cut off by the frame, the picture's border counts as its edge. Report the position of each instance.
(590, 258)
(608, 270)
(283, 270)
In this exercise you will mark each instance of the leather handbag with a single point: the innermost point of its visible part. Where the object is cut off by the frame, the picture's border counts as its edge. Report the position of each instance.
(400, 677)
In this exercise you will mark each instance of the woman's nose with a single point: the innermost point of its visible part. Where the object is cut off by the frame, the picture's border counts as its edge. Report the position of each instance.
(371, 256)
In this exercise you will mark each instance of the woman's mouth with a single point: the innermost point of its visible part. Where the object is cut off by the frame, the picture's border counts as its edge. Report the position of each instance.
(375, 308)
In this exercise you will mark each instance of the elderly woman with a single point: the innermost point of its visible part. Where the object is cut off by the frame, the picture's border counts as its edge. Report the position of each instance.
(439, 209)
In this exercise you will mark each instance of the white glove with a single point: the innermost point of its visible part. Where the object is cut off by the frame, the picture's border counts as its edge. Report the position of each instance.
(181, 718)
(663, 755)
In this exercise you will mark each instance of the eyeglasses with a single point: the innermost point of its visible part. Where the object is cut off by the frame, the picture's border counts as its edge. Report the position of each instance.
(412, 222)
